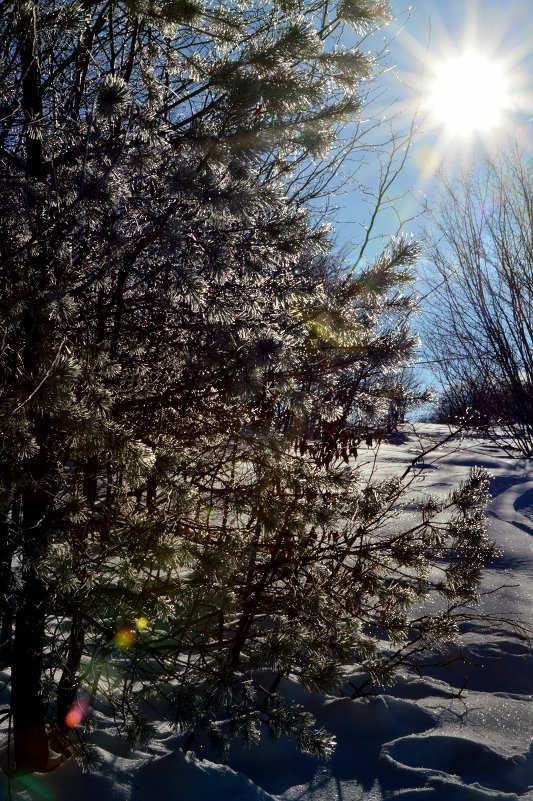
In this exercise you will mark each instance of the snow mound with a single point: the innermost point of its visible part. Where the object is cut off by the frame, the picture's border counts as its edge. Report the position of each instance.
(178, 776)
(174, 777)
(373, 718)
(449, 759)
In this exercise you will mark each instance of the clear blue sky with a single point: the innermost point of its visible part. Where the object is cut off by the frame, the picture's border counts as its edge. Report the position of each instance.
(426, 34)
(430, 32)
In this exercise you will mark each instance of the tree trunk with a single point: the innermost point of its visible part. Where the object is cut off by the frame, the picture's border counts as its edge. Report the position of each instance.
(6, 610)
(31, 95)
(27, 707)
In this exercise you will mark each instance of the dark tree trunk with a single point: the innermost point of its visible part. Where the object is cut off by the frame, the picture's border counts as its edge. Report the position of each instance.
(27, 706)
(31, 96)
(7, 548)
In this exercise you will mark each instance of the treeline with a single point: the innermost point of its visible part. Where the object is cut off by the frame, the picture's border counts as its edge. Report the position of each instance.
(480, 327)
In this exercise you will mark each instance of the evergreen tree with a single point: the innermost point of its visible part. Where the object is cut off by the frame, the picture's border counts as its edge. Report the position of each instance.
(170, 326)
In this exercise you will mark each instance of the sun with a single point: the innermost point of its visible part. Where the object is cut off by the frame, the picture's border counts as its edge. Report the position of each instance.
(468, 94)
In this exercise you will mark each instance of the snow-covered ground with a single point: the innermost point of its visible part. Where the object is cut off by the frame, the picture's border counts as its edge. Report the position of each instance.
(461, 732)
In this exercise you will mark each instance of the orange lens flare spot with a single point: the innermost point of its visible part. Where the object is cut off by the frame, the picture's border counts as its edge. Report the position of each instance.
(124, 638)
(76, 713)
(141, 623)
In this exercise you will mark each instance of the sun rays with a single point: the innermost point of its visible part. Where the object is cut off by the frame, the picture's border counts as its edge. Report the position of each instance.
(470, 84)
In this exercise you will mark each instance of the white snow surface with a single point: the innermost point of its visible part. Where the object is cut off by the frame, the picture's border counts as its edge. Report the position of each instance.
(461, 732)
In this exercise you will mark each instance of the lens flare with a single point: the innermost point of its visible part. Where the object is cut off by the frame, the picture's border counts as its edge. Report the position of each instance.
(77, 712)
(38, 789)
(124, 638)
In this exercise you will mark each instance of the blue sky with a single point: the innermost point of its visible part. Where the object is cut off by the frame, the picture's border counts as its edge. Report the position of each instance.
(426, 34)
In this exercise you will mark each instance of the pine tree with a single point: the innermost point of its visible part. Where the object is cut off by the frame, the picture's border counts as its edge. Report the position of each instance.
(169, 331)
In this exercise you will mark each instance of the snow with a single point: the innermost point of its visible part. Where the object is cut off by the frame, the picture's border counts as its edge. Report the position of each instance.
(459, 732)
